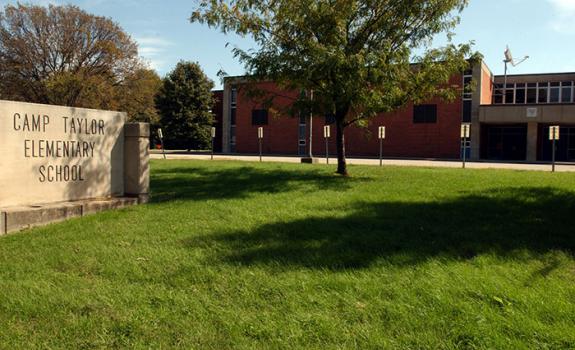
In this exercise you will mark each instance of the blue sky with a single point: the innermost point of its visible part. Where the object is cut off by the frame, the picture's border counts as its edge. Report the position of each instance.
(543, 29)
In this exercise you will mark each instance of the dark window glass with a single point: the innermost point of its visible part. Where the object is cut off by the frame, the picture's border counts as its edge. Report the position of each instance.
(259, 117)
(234, 96)
(542, 95)
(329, 119)
(425, 114)
(553, 84)
(531, 95)
(302, 119)
(566, 94)
(497, 93)
(520, 95)
(509, 96)
(466, 112)
(532, 85)
(467, 93)
(554, 95)
(468, 72)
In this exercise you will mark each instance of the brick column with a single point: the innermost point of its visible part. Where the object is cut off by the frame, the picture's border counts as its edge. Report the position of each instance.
(532, 141)
(136, 161)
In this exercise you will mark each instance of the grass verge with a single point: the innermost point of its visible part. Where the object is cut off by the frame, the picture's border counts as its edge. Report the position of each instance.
(247, 255)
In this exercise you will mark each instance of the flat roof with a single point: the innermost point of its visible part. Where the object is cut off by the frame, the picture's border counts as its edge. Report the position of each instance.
(534, 74)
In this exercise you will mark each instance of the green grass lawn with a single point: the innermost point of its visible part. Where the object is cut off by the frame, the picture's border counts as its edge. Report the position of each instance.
(247, 255)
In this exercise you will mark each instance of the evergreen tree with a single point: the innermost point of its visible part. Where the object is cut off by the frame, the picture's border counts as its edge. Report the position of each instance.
(184, 102)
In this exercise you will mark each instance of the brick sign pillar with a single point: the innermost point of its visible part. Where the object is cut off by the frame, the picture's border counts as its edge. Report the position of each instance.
(136, 161)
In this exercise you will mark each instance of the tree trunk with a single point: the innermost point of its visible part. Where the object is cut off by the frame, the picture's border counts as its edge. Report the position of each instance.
(340, 142)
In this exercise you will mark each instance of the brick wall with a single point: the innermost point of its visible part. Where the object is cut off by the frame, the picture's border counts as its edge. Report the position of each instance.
(404, 138)
(486, 86)
(218, 111)
(281, 133)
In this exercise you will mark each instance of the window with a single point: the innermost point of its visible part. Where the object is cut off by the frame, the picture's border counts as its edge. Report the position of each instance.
(233, 117)
(466, 111)
(554, 91)
(510, 94)
(532, 93)
(497, 93)
(520, 93)
(542, 92)
(234, 96)
(467, 93)
(566, 88)
(329, 119)
(425, 114)
(259, 117)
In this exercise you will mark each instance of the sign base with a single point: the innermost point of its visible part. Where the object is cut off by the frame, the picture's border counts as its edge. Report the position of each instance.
(13, 219)
(308, 160)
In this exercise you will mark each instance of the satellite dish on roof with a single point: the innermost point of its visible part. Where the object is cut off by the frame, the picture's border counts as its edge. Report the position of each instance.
(508, 55)
(509, 59)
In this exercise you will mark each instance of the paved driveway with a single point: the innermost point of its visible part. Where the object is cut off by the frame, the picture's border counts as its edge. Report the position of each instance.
(363, 161)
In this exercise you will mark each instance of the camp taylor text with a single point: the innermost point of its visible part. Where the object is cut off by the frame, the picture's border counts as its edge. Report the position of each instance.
(42, 148)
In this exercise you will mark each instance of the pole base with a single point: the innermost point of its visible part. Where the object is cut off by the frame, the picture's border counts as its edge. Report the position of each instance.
(310, 160)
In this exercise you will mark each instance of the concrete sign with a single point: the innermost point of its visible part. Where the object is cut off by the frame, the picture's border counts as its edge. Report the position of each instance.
(52, 153)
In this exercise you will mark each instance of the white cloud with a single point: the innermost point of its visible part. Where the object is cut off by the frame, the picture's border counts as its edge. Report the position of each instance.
(153, 49)
(564, 16)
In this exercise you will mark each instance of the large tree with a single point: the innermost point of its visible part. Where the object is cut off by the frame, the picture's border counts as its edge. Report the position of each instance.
(359, 57)
(63, 55)
(185, 101)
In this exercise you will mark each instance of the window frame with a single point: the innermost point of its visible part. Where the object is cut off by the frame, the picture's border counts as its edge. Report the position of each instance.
(260, 117)
(427, 117)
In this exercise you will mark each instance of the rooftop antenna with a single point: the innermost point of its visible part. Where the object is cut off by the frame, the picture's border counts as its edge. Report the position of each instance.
(509, 59)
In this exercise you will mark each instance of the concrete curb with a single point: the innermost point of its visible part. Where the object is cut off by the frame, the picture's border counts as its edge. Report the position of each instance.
(14, 219)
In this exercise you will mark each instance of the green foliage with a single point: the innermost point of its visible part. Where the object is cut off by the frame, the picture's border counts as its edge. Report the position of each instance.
(63, 55)
(185, 101)
(137, 96)
(358, 56)
(235, 255)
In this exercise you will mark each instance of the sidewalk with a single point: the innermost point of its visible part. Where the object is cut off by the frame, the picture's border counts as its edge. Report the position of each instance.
(375, 162)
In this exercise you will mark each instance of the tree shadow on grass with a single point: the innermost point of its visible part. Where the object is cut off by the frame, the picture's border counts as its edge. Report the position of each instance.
(198, 183)
(501, 222)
